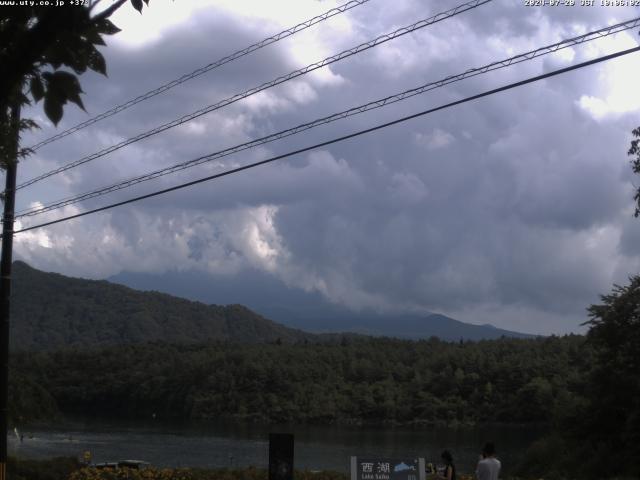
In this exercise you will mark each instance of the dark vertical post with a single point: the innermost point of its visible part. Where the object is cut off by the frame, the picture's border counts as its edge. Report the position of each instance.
(5, 281)
(280, 456)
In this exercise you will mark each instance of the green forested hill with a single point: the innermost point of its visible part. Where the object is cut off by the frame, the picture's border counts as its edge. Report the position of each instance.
(361, 381)
(51, 311)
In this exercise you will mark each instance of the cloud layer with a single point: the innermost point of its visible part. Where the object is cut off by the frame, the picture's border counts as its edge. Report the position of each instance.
(515, 209)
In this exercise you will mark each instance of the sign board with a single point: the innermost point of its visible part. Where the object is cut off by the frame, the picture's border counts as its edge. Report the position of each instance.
(373, 468)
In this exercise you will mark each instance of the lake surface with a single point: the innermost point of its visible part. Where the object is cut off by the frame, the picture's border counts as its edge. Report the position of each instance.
(217, 445)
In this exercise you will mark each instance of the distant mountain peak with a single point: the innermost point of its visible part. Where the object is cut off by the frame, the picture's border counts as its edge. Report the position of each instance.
(307, 311)
(488, 325)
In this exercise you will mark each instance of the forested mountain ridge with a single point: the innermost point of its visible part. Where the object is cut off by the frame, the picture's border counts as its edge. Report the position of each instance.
(359, 381)
(308, 311)
(50, 311)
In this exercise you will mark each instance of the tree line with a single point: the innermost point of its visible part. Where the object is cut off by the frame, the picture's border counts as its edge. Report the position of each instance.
(356, 381)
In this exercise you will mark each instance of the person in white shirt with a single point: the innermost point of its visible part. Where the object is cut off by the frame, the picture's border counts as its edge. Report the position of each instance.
(488, 466)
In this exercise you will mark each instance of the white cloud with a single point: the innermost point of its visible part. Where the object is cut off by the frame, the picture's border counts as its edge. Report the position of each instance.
(435, 140)
(614, 91)
(267, 102)
(302, 92)
(219, 242)
(407, 188)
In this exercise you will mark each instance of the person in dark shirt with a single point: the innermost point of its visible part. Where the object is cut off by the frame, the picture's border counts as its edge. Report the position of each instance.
(450, 469)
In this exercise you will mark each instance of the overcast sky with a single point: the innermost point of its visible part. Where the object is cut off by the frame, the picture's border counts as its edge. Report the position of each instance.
(515, 209)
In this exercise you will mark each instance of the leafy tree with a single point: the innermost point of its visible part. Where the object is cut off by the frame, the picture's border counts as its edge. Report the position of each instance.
(597, 419)
(613, 425)
(634, 149)
(42, 50)
(313, 383)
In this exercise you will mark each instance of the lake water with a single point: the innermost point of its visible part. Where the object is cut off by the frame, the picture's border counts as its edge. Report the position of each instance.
(216, 445)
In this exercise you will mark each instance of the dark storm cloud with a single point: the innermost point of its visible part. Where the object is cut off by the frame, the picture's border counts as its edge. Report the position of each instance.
(133, 71)
(512, 209)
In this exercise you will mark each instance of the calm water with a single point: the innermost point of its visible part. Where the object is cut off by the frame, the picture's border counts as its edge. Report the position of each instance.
(224, 445)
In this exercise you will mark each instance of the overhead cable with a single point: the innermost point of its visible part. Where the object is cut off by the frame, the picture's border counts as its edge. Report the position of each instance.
(207, 68)
(334, 117)
(339, 139)
(284, 78)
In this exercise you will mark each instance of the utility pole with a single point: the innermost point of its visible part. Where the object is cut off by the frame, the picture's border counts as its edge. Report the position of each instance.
(5, 277)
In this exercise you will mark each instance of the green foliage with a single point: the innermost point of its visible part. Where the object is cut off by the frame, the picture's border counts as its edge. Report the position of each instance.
(42, 50)
(180, 474)
(597, 435)
(60, 88)
(53, 469)
(53, 311)
(612, 424)
(70, 469)
(30, 401)
(371, 381)
(634, 149)
(546, 458)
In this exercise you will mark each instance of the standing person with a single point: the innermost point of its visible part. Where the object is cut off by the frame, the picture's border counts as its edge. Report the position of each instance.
(488, 466)
(449, 469)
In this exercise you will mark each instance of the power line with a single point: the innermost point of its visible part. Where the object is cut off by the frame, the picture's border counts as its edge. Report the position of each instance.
(207, 68)
(339, 139)
(228, 101)
(334, 117)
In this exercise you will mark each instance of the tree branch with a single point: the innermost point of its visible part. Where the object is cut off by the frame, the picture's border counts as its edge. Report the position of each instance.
(109, 11)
